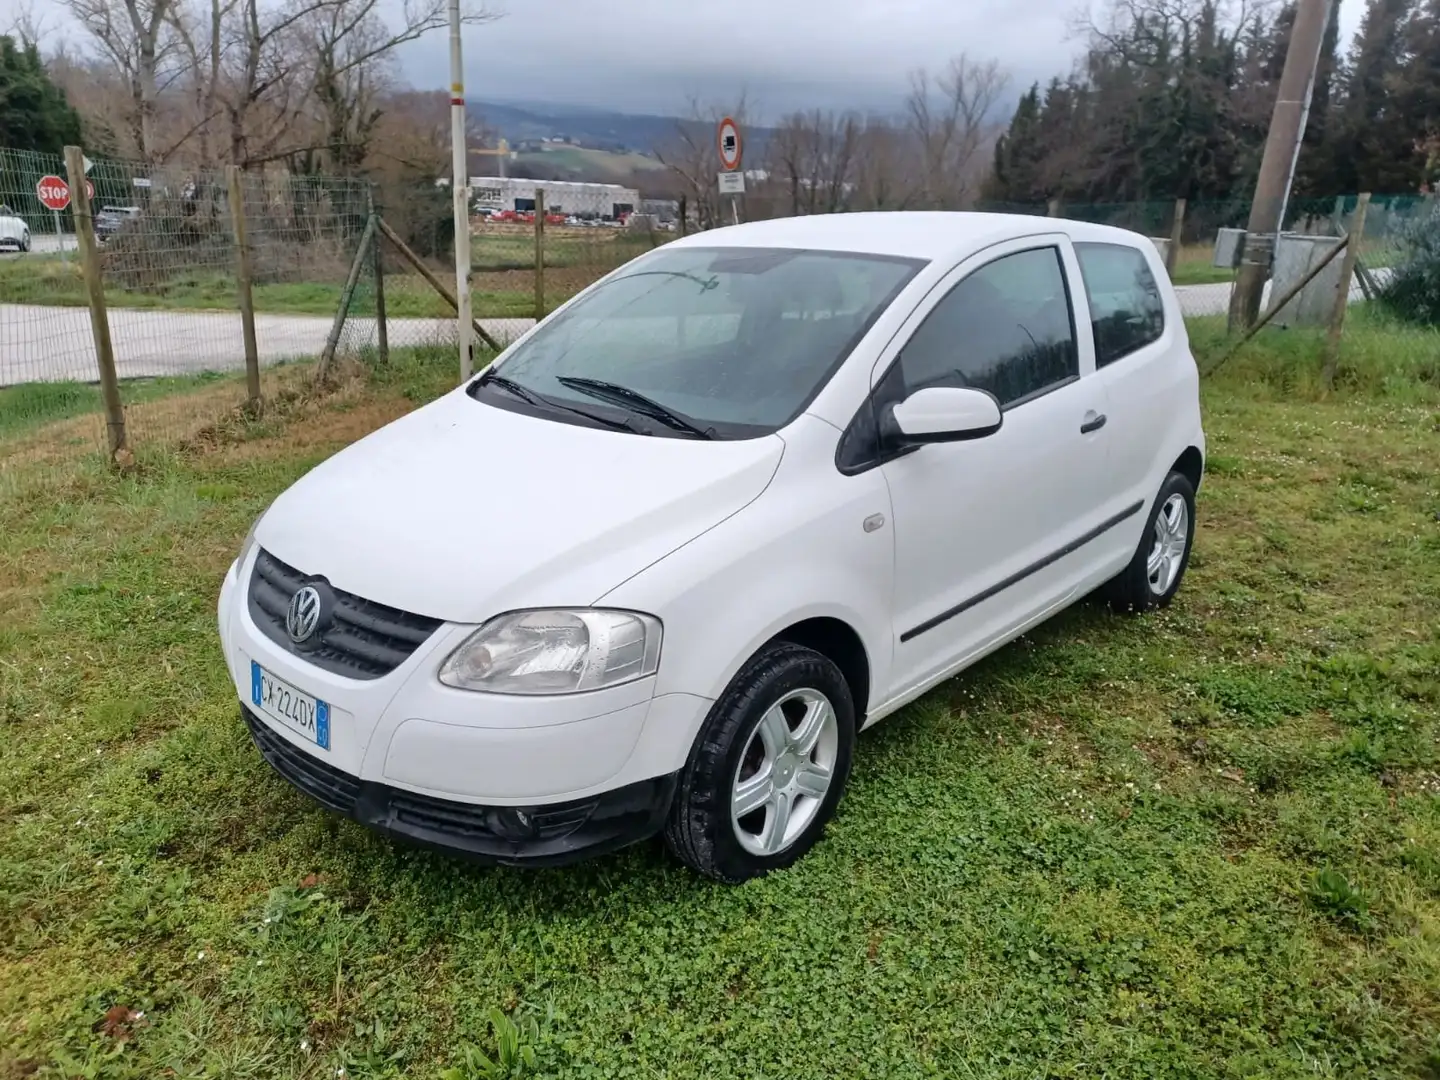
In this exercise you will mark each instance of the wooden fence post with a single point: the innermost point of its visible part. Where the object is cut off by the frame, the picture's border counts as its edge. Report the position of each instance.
(1356, 234)
(435, 283)
(382, 329)
(539, 254)
(115, 439)
(1177, 231)
(1276, 305)
(332, 342)
(234, 182)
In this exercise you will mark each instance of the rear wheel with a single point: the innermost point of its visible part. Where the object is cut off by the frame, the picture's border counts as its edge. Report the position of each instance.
(768, 768)
(1158, 566)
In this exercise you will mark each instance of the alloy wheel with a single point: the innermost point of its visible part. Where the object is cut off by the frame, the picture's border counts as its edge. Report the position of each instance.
(784, 772)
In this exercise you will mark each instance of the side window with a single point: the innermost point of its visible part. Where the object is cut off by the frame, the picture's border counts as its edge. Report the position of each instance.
(1006, 328)
(1126, 310)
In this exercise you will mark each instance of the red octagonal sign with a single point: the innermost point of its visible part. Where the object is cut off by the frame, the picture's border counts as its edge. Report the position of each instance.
(53, 192)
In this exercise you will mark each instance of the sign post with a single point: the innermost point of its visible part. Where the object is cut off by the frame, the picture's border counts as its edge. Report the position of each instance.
(731, 179)
(54, 194)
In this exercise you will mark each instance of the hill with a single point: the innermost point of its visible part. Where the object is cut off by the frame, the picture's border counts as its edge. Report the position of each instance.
(589, 128)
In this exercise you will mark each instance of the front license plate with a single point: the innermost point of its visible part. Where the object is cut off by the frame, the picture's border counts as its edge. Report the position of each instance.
(294, 708)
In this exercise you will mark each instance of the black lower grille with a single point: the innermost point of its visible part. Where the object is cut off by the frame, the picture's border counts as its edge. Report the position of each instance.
(324, 783)
(355, 637)
(447, 818)
(546, 835)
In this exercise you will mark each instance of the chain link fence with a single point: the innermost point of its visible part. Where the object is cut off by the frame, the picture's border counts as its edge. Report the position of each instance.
(327, 267)
(167, 264)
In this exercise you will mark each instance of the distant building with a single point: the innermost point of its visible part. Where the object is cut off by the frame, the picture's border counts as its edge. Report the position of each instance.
(561, 196)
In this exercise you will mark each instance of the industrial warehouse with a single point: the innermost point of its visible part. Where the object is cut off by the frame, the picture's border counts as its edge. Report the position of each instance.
(499, 193)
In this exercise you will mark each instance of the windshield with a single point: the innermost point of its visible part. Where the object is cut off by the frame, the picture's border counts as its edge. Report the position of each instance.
(729, 342)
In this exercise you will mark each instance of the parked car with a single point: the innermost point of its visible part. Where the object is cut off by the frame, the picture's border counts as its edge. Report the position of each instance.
(111, 219)
(14, 233)
(751, 493)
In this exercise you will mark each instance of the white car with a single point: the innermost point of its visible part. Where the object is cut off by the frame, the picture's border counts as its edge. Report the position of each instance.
(748, 494)
(14, 233)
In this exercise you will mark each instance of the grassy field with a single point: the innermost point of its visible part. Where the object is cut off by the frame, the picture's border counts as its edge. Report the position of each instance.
(1205, 843)
(503, 258)
(30, 405)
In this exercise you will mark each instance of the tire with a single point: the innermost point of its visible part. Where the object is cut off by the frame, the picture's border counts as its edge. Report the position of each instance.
(743, 750)
(1143, 586)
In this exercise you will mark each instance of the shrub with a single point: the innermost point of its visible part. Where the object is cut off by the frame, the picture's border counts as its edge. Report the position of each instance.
(1413, 290)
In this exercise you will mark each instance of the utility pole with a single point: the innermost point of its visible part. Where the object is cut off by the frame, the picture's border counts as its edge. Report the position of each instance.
(460, 188)
(1282, 152)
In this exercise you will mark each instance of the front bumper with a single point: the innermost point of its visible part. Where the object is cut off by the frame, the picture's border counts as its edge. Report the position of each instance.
(552, 834)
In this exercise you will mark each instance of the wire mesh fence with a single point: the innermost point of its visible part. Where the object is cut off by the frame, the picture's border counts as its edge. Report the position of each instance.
(166, 261)
(169, 268)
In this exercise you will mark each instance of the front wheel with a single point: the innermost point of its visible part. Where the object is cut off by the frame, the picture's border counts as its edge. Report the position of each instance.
(1158, 566)
(768, 768)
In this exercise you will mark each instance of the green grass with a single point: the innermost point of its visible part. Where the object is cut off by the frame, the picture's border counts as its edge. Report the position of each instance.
(1201, 843)
(31, 405)
(407, 296)
(1383, 358)
(512, 247)
(56, 282)
(1201, 274)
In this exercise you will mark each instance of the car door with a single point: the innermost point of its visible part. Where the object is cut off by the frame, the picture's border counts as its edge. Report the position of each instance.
(1138, 354)
(989, 534)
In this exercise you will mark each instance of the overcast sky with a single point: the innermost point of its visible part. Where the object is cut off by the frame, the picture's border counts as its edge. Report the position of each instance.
(649, 55)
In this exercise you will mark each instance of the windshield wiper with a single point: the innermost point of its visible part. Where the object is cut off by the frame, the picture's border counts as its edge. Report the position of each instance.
(524, 393)
(512, 387)
(638, 402)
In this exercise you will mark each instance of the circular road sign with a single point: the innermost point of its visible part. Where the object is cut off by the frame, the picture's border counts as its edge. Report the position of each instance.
(53, 192)
(728, 136)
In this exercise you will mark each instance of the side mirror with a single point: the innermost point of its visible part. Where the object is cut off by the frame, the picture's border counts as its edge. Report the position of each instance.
(939, 414)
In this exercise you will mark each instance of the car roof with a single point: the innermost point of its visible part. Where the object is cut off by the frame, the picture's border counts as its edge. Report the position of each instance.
(913, 234)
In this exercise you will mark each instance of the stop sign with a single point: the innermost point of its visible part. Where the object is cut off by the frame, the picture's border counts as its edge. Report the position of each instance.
(53, 192)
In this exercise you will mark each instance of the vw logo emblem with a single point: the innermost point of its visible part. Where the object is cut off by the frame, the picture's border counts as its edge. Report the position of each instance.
(304, 614)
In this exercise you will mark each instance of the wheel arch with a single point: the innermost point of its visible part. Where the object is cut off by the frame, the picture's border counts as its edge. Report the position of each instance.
(1191, 465)
(840, 643)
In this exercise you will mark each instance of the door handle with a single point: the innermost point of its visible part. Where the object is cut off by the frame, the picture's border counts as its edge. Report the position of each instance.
(1092, 422)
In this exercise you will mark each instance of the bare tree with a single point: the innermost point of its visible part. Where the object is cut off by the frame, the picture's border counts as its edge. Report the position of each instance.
(813, 155)
(349, 43)
(25, 26)
(887, 168)
(200, 30)
(135, 36)
(254, 80)
(952, 118)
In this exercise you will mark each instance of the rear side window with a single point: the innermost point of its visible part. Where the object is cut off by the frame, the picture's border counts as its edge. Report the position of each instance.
(1007, 328)
(1126, 309)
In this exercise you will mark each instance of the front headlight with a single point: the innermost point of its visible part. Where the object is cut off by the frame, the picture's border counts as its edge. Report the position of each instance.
(249, 541)
(555, 652)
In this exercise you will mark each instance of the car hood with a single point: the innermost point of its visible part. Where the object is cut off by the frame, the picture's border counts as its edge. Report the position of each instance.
(461, 510)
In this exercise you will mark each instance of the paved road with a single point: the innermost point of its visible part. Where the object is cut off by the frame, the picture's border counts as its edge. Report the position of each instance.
(49, 344)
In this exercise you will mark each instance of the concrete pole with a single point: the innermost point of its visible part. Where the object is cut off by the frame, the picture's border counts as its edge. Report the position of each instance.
(1277, 167)
(460, 188)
